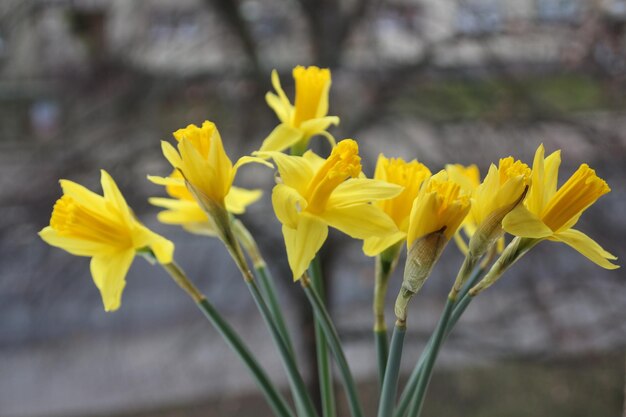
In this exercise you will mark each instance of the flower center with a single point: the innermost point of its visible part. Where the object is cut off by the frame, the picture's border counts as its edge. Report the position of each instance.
(344, 162)
(311, 84)
(71, 219)
(200, 137)
(581, 190)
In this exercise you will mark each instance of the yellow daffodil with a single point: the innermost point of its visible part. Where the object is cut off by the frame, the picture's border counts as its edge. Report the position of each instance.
(183, 209)
(503, 188)
(206, 174)
(308, 117)
(441, 204)
(314, 193)
(438, 210)
(551, 214)
(409, 175)
(104, 228)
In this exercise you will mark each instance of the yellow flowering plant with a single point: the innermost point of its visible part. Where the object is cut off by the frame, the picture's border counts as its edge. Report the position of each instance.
(403, 204)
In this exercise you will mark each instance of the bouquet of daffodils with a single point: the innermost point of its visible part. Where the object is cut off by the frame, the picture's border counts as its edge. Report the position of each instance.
(404, 205)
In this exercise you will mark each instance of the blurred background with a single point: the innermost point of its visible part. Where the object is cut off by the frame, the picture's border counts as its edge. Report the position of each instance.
(90, 84)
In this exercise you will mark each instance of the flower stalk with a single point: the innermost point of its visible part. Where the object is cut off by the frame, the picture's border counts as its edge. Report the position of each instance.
(334, 343)
(274, 398)
(325, 375)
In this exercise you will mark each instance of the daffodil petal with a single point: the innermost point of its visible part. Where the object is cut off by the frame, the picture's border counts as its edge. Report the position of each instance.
(171, 154)
(244, 160)
(360, 222)
(283, 112)
(176, 182)
(551, 175)
(239, 198)
(303, 243)
(218, 160)
(75, 246)
(313, 159)
(112, 193)
(163, 248)
(282, 137)
(361, 190)
(287, 204)
(521, 222)
(279, 89)
(587, 247)
(460, 243)
(295, 171)
(374, 245)
(109, 274)
(313, 127)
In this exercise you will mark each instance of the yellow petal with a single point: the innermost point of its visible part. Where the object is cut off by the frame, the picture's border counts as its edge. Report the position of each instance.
(295, 171)
(587, 247)
(109, 274)
(167, 181)
(303, 243)
(374, 245)
(282, 137)
(361, 190)
(75, 246)
(112, 193)
(287, 205)
(551, 175)
(179, 211)
(313, 127)
(197, 171)
(521, 222)
(171, 154)
(360, 222)
(219, 161)
(283, 112)
(279, 90)
(239, 198)
(163, 248)
(534, 199)
(244, 160)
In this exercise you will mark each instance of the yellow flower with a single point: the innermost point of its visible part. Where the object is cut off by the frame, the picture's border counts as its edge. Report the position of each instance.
(549, 213)
(409, 175)
(314, 193)
(437, 212)
(440, 205)
(183, 210)
(503, 188)
(103, 227)
(206, 174)
(308, 117)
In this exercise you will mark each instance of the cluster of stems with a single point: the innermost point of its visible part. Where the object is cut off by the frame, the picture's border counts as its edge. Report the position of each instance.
(470, 281)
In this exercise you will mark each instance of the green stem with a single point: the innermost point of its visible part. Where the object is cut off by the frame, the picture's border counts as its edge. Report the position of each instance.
(334, 344)
(269, 291)
(425, 375)
(323, 361)
(390, 382)
(382, 352)
(301, 395)
(274, 398)
(459, 309)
